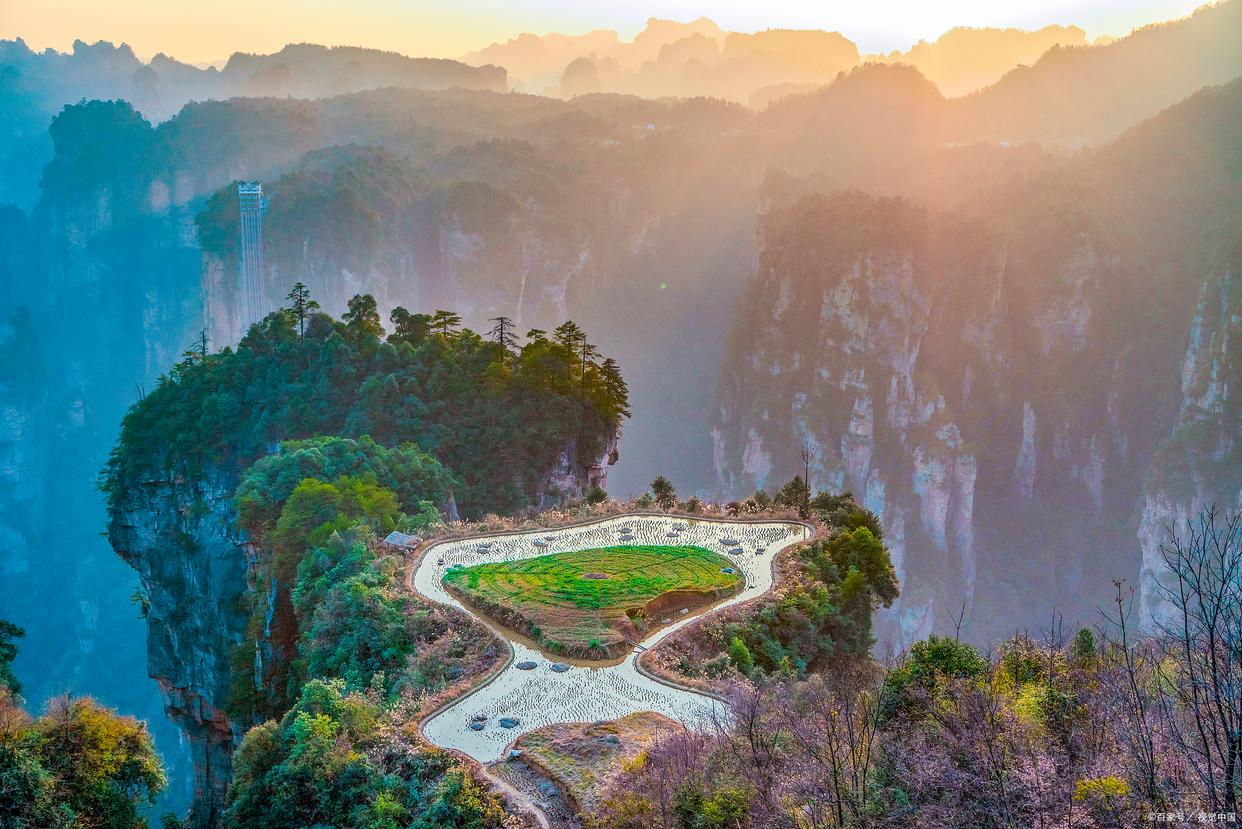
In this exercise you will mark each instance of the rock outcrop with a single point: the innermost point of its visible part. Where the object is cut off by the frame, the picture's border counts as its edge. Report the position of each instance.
(1199, 464)
(986, 407)
(180, 534)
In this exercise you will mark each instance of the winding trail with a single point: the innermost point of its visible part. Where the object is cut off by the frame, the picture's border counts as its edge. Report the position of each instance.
(586, 693)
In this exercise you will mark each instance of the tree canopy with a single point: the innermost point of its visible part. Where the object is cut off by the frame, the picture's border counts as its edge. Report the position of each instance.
(498, 419)
(329, 762)
(80, 765)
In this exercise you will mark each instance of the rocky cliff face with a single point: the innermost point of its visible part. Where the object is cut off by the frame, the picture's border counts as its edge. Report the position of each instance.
(977, 402)
(571, 478)
(91, 318)
(1200, 463)
(197, 570)
(25, 437)
(179, 533)
(444, 263)
(1028, 391)
(357, 220)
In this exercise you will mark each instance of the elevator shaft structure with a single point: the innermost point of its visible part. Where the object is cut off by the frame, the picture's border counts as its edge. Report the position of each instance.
(252, 299)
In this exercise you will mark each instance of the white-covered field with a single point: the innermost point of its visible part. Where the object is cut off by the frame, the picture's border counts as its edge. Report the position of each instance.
(541, 696)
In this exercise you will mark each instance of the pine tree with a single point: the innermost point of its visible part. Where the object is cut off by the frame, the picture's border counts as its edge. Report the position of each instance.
(502, 334)
(616, 392)
(574, 340)
(587, 354)
(196, 353)
(569, 334)
(795, 495)
(303, 306)
(445, 323)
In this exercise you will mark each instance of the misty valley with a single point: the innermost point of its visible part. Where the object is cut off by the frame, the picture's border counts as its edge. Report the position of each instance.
(699, 430)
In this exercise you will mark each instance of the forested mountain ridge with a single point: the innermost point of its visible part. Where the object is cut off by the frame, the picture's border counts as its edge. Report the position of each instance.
(1092, 93)
(34, 86)
(226, 470)
(1106, 78)
(357, 218)
(996, 388)
(1071, 96)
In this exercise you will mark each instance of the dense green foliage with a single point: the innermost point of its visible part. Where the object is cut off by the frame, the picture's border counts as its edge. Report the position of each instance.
(663, 493)
(80, 766)
(335, 606)
(350, 647)
(338, 434)
(83, 162)
(825, 610)
(333, 760)
(929, 666)
(348, 434)
(498, 419)
(411, 475)
(358, 623)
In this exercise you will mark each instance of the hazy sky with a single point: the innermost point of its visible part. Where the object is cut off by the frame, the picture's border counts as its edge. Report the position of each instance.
(207, 30)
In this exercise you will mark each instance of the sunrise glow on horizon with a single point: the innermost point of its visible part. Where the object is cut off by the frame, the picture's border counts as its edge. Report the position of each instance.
(201, 32)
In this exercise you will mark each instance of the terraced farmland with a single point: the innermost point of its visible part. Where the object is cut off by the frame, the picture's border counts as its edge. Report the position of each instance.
(588, 603)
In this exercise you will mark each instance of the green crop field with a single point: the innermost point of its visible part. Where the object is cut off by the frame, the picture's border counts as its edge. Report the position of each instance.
(587, 602)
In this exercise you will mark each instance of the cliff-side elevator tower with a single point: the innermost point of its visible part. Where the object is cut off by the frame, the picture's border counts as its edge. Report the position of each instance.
(250, 294)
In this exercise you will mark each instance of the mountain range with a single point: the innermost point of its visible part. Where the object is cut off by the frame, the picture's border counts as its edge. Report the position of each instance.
(1005, 319)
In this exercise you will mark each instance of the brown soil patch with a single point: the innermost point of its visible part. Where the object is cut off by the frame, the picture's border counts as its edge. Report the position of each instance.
(582, 758)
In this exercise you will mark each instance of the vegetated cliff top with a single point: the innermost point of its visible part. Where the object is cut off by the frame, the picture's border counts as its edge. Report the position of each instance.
(501, 418)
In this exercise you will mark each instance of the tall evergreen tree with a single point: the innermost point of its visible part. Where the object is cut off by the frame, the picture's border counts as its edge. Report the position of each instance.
(303, 306)
(502, 333)
(615, 389)
(663, 492)
(196, 353)
(445, 323)
(571, 336)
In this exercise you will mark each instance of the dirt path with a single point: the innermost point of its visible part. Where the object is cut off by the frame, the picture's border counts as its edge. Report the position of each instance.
(524, 800)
